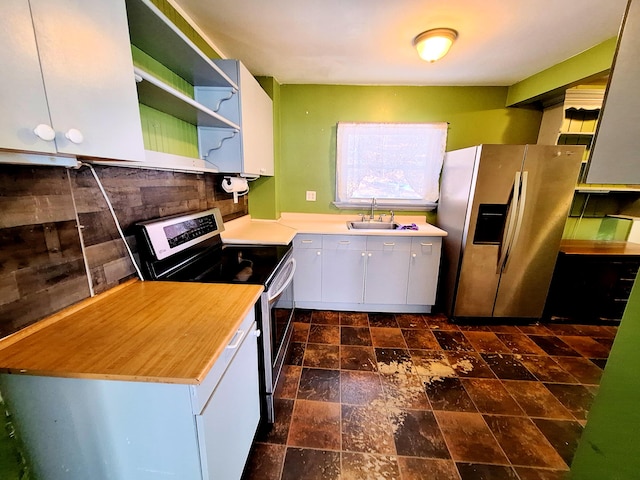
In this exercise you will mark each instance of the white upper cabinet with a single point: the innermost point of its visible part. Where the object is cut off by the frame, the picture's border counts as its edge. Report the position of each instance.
(614, 156)
(250, 151)
(68, 86)
(154, 34)
(257, 126)
(232, 113)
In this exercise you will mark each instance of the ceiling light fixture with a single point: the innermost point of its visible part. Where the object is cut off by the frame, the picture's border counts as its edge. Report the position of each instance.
(434, 44)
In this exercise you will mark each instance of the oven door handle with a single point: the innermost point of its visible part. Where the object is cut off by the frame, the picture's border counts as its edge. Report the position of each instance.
(286, 283)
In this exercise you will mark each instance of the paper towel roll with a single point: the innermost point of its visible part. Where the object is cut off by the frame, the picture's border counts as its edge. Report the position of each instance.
(235, 184)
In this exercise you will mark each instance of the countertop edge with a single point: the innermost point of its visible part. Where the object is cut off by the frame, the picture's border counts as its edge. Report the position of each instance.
(599, 247)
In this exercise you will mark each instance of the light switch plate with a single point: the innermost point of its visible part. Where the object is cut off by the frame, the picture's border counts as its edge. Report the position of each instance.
(311, 196)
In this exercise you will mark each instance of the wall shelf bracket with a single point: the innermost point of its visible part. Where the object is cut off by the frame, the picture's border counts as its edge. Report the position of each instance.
(221, 100)
(212, 139)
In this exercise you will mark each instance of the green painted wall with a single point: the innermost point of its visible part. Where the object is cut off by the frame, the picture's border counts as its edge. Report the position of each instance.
(586, 65)
(309, 114)
(610, 443)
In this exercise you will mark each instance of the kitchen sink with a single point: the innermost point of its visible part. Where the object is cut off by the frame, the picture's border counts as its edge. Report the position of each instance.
(372, 226)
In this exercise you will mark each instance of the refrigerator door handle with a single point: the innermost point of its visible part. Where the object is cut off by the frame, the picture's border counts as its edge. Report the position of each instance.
(523, 200)
(508, 237)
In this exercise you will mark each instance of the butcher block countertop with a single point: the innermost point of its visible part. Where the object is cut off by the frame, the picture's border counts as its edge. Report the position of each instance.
(593, 247)
(140, 331)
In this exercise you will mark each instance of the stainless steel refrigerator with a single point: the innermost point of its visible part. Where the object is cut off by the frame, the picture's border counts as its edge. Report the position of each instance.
(504, 208)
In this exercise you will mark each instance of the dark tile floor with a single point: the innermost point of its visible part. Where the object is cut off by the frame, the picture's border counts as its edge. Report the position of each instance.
(410, 396)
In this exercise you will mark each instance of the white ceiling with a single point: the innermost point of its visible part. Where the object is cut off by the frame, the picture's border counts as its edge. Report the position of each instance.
(368, 42)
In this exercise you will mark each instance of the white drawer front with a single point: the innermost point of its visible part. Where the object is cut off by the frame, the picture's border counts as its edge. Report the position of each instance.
(307, 241)
(344, 242)
(396, 244)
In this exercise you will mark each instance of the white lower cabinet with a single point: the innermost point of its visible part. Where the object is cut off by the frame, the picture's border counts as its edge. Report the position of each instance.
(228, 422)
(343, 261)
(307, 285)
(424, 261)
(118, 430)
(387, 270)
(366, 273)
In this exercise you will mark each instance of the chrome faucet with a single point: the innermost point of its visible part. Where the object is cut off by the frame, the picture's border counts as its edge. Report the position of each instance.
(373, 206)
(382, 215)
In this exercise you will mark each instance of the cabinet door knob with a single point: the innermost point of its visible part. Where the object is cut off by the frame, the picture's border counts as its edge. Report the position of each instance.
(45, 132)
(370, 254)
(74, 136)
(318, 253)
(256, 333)
(414, 255)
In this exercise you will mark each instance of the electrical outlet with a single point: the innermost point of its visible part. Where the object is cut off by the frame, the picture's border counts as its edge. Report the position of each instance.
(311, 196)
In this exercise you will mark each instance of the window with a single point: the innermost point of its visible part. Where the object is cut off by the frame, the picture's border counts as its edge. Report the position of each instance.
(398, 164)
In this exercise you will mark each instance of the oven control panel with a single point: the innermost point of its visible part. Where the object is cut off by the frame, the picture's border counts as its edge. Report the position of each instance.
(174, 234)
(182, 232)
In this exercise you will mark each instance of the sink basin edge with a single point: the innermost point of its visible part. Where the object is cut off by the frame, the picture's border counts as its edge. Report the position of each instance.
(372, 226)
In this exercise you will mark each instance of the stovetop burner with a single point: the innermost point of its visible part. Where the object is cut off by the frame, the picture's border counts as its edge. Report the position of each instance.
(254, 264)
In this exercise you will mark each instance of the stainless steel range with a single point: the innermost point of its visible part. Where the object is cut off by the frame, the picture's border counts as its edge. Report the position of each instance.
(188, 248)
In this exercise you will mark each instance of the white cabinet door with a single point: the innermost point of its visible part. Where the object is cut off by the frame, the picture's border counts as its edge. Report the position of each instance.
(343, 262)
(307, 282)
(86, 71)
(228, 423)
(387, 270)
(423, 270)
(22, 97)
(256, 126)
(88, 76)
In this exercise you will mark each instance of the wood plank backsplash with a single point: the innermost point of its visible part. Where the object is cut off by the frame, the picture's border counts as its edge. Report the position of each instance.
(42, 265)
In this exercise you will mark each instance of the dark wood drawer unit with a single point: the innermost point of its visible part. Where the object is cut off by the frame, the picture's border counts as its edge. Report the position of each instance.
(591, 288)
